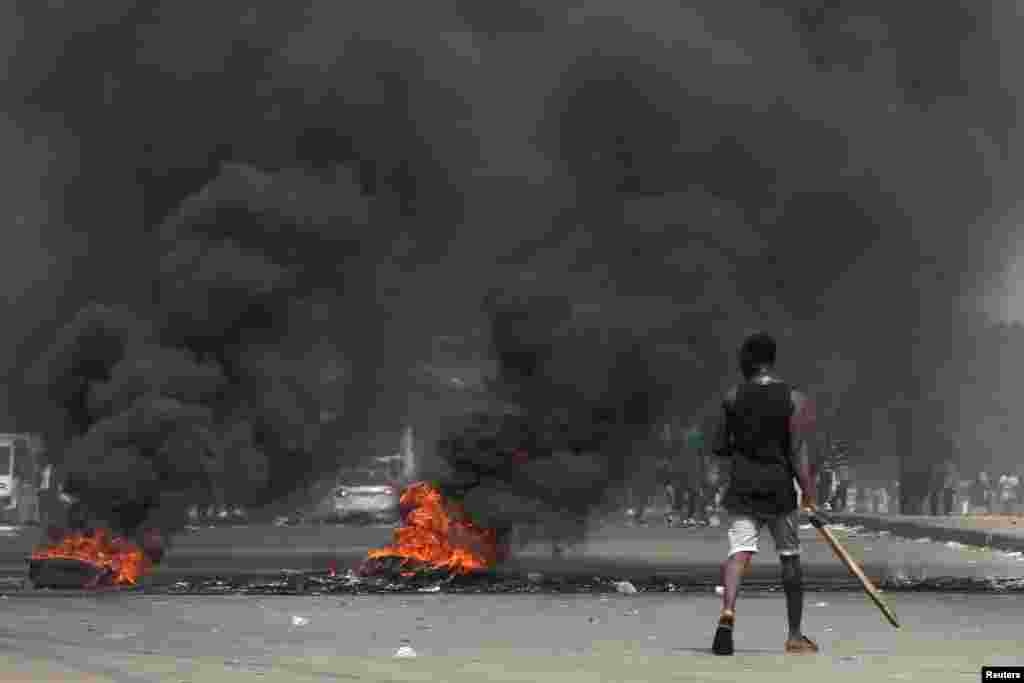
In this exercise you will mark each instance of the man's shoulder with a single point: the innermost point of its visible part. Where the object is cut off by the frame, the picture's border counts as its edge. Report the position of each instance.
(796, 393)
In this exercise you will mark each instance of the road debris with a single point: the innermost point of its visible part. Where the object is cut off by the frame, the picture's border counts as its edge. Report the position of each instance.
(821, 604)
(405, 651)
(299, 621)
(906, 578)
(953, 545)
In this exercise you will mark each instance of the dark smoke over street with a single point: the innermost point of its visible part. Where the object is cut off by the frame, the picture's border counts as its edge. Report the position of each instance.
(237, 232)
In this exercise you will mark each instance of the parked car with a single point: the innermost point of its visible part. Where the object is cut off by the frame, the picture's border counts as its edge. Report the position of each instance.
(366, 504)
(216, 514)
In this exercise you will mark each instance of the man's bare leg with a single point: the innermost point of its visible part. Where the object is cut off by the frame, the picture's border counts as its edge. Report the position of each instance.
(793, 585)
(733, 570)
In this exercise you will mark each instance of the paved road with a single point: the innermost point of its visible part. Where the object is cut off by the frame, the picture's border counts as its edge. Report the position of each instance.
(628, 552)
(137, 638)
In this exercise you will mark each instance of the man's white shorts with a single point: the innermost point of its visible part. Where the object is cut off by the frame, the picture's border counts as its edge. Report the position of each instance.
(745, 532)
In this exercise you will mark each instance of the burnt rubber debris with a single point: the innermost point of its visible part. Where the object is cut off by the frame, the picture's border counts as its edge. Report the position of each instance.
(394, 577)
(426, 582)
(91, 558)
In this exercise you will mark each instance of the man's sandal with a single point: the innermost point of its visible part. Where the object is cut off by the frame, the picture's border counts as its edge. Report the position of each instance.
(723, 635)
(802, 645)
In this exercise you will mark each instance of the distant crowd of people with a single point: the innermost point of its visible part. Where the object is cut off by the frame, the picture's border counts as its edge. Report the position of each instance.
(841, 490)
(947, 494)
(987, 495)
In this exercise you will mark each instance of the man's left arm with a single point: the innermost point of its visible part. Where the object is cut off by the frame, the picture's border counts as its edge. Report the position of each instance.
(802, 425)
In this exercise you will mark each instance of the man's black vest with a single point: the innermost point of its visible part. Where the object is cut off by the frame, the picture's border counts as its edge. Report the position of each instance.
(758, 426)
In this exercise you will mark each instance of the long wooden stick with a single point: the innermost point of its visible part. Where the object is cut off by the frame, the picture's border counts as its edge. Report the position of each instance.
(869, 587)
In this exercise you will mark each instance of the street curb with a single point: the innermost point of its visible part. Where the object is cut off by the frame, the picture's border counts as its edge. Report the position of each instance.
(913, 529)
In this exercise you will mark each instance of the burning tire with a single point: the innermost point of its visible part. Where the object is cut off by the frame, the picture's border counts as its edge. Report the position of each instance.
(436, 536)
(92, 559)
(65, 574)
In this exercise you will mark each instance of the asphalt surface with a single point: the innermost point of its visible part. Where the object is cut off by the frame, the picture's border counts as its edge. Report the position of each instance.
(694, 554)
(1000, 531)
(141, 636)
(138, 638)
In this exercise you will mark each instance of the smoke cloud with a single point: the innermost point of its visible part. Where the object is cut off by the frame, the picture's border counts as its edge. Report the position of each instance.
(278, 208)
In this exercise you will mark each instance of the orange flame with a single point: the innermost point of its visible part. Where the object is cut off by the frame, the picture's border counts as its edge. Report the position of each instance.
(438, 533)
(126, 561)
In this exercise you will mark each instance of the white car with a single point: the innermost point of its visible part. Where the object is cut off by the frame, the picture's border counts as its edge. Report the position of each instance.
(368, 503)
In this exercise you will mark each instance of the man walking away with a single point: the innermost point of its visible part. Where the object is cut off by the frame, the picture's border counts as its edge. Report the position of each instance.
(764, 428)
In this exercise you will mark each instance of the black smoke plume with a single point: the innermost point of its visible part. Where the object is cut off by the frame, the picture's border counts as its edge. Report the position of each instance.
(279, 206)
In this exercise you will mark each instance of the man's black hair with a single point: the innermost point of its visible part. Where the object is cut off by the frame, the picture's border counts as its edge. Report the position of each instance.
(758, 351)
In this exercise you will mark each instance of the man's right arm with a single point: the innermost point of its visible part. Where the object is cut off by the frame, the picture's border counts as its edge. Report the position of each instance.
(802, 425)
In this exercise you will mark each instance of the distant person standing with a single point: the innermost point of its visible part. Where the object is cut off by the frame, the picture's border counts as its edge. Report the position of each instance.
(883, 500)
(825, 480)
(1019, 490)
(714, 482)
(841, 501)
(950, 481)
(49, 503)
(664, 473)
(963, 497)
(1008, 484)
(864, 502)
(1015, 493)
(981, 495)
(933, 504)
(696, 475)
(837, 465)
(895, 497)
